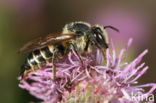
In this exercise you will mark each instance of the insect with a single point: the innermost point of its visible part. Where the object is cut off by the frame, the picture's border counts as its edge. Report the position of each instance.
(78, 36)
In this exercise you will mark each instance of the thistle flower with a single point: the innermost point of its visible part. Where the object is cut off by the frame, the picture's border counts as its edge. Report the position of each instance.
(114, 82)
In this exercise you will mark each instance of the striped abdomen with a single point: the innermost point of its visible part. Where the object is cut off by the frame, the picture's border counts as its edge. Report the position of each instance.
(36, 60)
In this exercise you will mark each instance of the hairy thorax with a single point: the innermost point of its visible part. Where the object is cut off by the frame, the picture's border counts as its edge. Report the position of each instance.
(80, 44)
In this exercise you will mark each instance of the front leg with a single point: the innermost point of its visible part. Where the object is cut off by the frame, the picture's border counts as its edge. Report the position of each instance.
(75, 51)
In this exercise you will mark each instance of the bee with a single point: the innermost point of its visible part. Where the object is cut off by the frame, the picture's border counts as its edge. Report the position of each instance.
(79, 37)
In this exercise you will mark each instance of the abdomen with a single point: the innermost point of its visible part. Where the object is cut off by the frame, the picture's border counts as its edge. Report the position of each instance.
(36, 60)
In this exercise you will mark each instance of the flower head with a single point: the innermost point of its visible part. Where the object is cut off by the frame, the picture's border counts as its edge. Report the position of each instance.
(115, 81)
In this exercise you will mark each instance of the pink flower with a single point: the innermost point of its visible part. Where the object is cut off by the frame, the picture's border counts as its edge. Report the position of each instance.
(115, 81)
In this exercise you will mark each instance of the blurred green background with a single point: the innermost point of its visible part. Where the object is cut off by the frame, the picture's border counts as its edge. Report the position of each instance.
(23, 20)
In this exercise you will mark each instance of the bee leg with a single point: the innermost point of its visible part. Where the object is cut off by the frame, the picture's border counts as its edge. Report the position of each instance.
(24, 75)
(54, 65)
(103, 50)
(76, 52)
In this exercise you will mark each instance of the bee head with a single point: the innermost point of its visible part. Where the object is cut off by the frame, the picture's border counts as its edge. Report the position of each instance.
(99, 37)
(79, 28)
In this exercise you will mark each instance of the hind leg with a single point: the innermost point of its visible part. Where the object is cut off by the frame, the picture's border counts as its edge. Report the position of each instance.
(54, 65)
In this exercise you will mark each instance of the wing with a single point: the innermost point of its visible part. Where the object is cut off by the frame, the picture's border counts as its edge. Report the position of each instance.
(42, 42)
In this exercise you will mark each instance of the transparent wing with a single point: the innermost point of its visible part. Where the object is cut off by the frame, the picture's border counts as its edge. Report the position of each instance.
(42, 42)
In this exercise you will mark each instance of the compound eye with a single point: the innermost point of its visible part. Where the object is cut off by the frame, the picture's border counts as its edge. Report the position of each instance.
(97, 33)
(98, 37)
